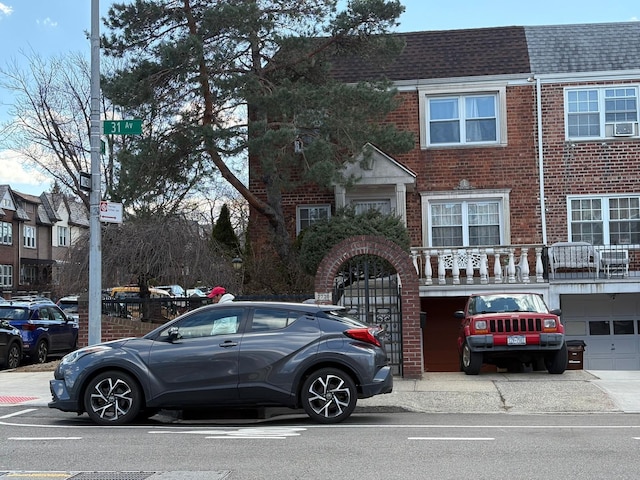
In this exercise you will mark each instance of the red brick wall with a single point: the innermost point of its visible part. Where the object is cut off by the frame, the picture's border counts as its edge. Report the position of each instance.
(381, 247)
(514, 166)
(590, 167)
(112, 328)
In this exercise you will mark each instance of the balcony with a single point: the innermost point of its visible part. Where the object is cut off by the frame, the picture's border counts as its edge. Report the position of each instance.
(526, 264)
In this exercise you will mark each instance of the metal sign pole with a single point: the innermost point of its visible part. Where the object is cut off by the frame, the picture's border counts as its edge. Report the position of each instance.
(95, 240)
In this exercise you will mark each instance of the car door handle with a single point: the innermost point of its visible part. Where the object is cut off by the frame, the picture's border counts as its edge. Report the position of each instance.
(228, 343)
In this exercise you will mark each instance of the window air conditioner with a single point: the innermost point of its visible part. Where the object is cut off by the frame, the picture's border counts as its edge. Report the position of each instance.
(625, 129)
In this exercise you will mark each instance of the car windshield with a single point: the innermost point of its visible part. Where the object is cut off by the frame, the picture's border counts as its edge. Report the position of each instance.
(507, 303)
(68, 306)
(13, 313)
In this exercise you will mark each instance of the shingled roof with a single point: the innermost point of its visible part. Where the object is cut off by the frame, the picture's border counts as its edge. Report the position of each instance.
(503, 51)
(600, 47)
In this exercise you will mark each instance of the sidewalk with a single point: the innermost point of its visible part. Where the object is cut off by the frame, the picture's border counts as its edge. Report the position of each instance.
(575, 391)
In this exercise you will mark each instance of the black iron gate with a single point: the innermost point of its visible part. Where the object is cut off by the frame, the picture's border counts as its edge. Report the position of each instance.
(369, 286)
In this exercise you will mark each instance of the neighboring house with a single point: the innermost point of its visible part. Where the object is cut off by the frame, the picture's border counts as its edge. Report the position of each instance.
(35, 233)
(525, 137)
(72, 222)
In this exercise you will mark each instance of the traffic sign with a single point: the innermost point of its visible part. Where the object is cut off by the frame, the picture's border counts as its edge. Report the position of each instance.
(122, 127)
(110, 212)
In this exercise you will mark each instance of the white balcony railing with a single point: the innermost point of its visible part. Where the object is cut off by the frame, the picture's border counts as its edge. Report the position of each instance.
(500, 264)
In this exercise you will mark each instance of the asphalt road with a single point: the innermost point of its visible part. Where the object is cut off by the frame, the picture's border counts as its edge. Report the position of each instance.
(40, 443)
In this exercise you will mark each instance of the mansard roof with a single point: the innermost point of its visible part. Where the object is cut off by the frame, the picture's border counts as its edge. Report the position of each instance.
(500, 51)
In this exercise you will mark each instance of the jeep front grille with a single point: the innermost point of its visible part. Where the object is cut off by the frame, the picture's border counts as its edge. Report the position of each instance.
(510, 325)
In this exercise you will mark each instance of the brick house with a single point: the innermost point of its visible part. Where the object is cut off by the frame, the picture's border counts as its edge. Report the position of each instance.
(35, 234)
(527, 146)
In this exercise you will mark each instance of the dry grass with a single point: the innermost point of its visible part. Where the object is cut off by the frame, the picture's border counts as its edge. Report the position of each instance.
(38, 367)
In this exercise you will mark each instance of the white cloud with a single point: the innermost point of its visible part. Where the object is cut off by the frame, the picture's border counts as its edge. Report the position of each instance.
(19, 175)
(5, 9)
(47, 22)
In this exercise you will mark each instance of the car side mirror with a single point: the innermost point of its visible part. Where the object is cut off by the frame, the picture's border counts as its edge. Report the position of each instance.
(459, 314)
(173, 334)
(556, 311)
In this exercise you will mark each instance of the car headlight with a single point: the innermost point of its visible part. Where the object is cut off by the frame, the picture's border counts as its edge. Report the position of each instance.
(78, 354)
(480, 325)
(550, 324)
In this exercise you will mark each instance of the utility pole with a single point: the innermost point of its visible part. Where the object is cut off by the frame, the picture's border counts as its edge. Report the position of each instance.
(95, 234)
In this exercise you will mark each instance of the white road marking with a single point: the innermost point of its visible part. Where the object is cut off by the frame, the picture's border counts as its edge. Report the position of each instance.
(249, 432)
(44, 438)
(21, 412)
(453, 438)
(235, 437)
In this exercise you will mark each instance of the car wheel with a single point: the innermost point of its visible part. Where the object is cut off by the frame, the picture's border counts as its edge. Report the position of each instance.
(329, 396)
(14, 355)
(557, 363)
(112, 398)
(471, 361)
(42, 352)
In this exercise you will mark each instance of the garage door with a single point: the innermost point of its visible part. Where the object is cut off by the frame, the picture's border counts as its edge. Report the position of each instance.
(610, 327)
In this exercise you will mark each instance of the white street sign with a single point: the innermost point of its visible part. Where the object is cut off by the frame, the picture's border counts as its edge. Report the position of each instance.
(110, 212)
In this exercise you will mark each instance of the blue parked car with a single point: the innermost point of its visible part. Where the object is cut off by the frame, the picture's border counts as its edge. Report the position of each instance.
(44, 327)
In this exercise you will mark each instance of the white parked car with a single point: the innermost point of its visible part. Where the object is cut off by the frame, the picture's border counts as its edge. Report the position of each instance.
(174, 290)
(69, 305)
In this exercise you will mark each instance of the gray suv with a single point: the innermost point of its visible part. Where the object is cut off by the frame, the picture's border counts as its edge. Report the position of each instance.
(237, 354)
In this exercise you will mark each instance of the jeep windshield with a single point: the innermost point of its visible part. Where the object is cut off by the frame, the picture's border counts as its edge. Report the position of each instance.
(501, 303)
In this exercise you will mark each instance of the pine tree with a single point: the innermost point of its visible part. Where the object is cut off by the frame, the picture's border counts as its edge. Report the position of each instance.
(249, 77)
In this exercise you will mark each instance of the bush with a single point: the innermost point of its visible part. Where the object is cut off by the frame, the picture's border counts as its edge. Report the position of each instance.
(316, 241)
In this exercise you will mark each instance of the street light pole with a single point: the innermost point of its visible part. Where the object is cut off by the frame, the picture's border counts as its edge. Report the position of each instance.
(95, 235)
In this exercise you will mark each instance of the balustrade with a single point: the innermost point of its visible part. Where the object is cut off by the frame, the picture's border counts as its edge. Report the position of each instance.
(508, 264)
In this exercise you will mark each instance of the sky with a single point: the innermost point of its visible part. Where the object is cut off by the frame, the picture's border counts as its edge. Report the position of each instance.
(56, 27)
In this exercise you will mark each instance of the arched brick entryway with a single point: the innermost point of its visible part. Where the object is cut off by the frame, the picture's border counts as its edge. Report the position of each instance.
(401, 261)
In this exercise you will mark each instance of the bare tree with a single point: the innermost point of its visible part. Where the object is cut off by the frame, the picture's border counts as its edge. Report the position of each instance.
(50, 128)
(51, 118)
(152, 251)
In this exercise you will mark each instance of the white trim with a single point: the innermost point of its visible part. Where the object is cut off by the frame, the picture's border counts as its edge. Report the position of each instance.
(600, 88)
(605, 207)
(308, 206)
(459, 196)
(499, 89)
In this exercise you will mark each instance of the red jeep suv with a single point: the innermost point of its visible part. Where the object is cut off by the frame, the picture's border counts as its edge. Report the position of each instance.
(510, 330)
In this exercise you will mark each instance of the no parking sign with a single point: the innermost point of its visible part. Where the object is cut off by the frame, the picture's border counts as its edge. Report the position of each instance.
(110, 212)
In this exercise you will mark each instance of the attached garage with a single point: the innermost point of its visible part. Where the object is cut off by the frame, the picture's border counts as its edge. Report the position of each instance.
(609, 324)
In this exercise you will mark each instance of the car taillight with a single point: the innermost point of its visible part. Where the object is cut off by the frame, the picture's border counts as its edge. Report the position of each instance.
(480, 326)
(367, 335)
(29, 326)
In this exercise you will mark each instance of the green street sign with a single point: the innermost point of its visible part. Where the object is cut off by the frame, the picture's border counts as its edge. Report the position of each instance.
(122, 127)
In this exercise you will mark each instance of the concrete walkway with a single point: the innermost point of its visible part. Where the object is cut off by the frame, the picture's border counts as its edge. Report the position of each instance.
(575, 391)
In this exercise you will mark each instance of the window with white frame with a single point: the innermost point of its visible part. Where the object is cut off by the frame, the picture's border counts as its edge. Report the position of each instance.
(602, 112)
(605, 220)
(63, 236)
(309, 214)
(29, 233)
(462, 115)
(6, 275)
(6, 233)
(456, 220)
